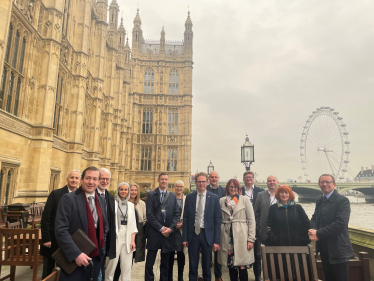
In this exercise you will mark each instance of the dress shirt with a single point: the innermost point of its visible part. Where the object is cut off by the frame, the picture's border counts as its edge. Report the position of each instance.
(197, 204)
(273, 200)
(162, 195)
(70, 190)
(249, 192)
(101, 193)
(87, 195)
(328, 195)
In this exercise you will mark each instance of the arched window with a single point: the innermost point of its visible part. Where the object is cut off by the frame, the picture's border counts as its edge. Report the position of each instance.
(10, 92)
(16, 101)
(147, 121)
(173, 82)
(10, 34)
(173, 122)
(149, 78)
(172, 159)
(20, 69)
(15, 50)
(146, 158)
(58, 106)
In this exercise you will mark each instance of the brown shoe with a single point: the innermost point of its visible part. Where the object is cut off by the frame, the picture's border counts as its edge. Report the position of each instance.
(219, 279)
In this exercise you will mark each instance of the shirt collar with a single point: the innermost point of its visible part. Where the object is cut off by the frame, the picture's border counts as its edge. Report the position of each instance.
(328, 195)
(100, 192)
(204, 193)
(252, 187)
(87, 195)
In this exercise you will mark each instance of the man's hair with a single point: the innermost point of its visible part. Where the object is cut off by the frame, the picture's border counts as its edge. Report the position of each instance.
(105, 170)
(202, 174)
(179, 182)
(248, 173)
(327, 175)
(73, 171)
(163, 174)
(91, 168)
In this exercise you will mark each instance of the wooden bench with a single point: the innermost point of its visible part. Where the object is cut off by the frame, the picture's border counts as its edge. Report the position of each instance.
(20, 248)
(291, 263)
(36, 211)
(4, 217)
(54, 276)
(17, 224)
(359, 269)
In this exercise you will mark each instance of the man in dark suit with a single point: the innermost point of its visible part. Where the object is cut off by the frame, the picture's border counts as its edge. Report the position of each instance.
(218, 190)
(250, 190)
(264, 200)
(330, 229)
(85, 210)
(162, 223)
(102, 191)
(48, 221)
(201, 227)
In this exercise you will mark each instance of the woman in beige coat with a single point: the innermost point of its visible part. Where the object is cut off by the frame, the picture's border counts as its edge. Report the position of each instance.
(238, 228)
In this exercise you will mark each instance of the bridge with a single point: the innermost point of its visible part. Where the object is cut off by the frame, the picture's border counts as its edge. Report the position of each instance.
(308, 192)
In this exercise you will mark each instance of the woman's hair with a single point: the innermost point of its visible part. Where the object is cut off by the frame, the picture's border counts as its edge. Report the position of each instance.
(284, 188)
(236, 184)
(137, 198)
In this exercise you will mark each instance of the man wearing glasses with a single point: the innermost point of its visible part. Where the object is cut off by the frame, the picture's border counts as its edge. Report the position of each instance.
(201, 227)
(250, 190)
(109, 200)
(330, 229)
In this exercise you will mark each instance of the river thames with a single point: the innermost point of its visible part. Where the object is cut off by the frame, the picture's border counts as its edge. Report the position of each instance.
(361, 213)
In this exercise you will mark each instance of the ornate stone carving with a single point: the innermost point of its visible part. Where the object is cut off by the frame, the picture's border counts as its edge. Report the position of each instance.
(11, 124)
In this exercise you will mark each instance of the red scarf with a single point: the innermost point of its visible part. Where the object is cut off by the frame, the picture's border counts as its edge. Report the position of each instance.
(91, 226)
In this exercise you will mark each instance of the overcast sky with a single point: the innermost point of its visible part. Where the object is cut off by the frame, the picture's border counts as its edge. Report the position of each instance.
(262, 67)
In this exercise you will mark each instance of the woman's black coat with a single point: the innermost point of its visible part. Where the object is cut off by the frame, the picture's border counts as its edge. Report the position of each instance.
(287, 226)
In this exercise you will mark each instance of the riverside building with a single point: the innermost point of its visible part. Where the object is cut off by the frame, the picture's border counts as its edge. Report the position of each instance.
(73, 93)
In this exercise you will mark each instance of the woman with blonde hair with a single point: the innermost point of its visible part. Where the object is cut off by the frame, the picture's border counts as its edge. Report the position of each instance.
(140, 210)
(125, 234)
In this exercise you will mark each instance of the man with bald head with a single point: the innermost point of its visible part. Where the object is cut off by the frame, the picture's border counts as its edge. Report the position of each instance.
(215, 188)
(263, 202)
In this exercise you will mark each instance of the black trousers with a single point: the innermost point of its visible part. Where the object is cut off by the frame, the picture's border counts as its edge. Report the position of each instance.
(198, 243)
(243, 274)
(257, 254)
(149, 263)
(48, 266)
(334, 272)
(181, 260)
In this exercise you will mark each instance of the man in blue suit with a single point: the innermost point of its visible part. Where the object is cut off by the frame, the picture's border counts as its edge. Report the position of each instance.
(201, 227)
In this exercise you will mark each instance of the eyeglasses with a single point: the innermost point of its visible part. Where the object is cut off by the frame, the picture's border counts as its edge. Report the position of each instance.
(248, 177)
(105, 179)
(325, 182)
(232, 187)
(201, 182)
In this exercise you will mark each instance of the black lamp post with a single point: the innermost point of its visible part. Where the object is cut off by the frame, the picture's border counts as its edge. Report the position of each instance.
(210, 167)
(247, 151)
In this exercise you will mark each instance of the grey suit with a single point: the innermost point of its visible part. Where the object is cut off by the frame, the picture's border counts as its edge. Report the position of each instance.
(262, 206)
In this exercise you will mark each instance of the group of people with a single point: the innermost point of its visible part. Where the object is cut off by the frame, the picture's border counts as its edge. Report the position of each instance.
(232, 222)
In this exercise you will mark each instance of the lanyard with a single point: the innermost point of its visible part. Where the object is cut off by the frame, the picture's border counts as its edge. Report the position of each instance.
(122, 212)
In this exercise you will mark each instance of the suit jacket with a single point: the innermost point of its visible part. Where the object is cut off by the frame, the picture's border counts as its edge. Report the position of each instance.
(72, 215)
(220, 191)
(155, 239)
(212, 218)
(256, 190)
(261, 209)
(111, 240)
(330, 219)
(48, 221)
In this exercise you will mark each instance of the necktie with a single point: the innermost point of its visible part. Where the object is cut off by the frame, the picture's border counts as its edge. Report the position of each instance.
(199, 214)
(91, 203)
(163, 208)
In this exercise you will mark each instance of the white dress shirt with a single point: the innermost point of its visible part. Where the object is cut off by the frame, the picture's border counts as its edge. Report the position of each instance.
(249, 192)
(273, 200)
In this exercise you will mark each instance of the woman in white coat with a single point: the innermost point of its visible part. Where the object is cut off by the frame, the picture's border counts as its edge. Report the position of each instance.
(125, 234)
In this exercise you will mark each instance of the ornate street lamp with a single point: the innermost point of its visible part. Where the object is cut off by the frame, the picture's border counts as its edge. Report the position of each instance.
(248, 156)
(210, 167)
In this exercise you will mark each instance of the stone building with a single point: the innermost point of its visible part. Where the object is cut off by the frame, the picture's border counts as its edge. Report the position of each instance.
(74, 94)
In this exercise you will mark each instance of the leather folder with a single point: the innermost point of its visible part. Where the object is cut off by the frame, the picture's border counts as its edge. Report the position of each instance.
(83, 243)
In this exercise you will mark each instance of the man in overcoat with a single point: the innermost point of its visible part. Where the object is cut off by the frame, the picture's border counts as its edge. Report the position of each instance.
(162, 223)
(50, 245)
(218, 190)
(201, 227)
(330, 229)
(85, 210)
(250, 190)
(263, 202)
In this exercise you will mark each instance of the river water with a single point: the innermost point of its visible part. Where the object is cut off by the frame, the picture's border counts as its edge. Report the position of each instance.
(362, 214)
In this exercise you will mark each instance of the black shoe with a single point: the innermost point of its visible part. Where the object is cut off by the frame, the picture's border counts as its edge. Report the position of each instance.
(259, 279)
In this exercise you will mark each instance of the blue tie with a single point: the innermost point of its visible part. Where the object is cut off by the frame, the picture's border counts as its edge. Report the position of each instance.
(163, 208)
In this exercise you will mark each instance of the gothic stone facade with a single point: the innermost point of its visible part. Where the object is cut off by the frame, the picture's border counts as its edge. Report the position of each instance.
(74, 94)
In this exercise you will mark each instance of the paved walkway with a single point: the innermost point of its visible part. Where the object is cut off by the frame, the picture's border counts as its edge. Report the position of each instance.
(24, 273)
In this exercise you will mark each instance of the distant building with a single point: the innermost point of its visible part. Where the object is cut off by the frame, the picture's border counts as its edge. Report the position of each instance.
(365, 175)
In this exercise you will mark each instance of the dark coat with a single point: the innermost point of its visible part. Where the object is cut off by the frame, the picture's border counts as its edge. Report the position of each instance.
(330, 219)
(155, 239)
(261, 213)
(111, 236)
(48, 221)
(256, 190)
(72, 215)
(287, 227)
(212, 218)
(220, 191)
